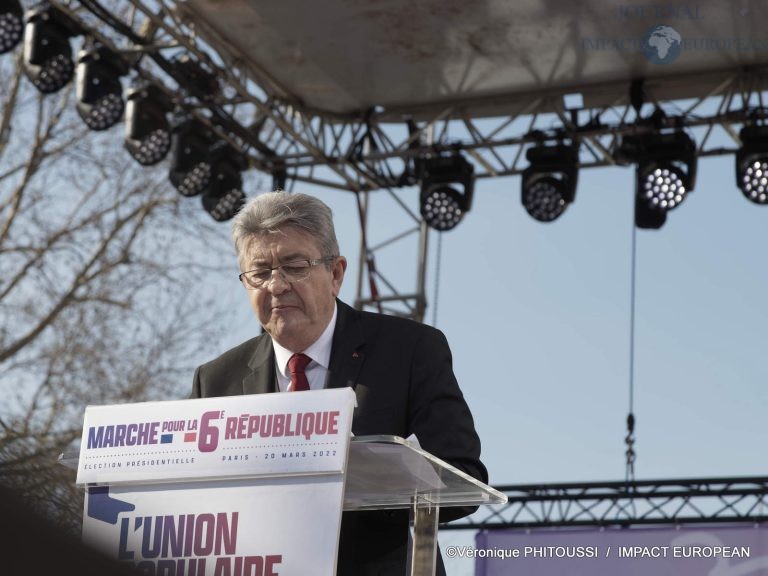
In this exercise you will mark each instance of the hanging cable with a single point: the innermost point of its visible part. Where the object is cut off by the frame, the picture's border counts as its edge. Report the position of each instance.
(630, 438)
(437, 278)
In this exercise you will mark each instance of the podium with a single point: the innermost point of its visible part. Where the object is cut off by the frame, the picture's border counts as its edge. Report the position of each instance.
(126, 512)
(388, 472)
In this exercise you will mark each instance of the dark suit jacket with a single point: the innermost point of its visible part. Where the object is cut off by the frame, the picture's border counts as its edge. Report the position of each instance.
(402, 375)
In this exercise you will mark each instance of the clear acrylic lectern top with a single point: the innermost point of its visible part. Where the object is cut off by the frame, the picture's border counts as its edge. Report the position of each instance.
(385, 472)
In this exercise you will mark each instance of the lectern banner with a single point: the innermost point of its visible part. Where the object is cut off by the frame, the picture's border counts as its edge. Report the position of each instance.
(219, 528)
(232, 486)
(208, 438)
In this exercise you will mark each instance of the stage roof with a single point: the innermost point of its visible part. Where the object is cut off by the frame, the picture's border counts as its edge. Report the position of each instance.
(487, 57)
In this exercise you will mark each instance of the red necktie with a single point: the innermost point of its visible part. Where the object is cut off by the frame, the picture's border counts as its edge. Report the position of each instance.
(296, 366)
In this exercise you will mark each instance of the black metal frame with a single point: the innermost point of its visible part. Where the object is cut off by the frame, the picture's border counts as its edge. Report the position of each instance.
(373, 149)
(645, 502)
(379, 151)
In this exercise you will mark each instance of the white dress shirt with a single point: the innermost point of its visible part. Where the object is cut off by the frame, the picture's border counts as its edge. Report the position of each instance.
(320, 353)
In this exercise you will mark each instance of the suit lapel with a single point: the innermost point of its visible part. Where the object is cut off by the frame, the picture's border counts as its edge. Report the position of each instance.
(262, 378)
(347, 348)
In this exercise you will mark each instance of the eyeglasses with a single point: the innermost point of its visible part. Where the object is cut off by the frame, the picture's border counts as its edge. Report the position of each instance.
(294, 271)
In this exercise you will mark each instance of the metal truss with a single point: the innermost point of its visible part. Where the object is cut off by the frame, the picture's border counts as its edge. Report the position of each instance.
(375, 291)
(659, 502)
(379, 150)
(376, 152)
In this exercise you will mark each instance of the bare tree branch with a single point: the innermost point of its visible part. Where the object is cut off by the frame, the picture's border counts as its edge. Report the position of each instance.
(101, 298)
(9, 105)
(88, 273)
(43, 133)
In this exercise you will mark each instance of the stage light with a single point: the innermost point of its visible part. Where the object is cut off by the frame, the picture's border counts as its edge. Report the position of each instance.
(99, 91)
(11, 25)
(752, 163)
(279, 178)
(199, 81)
(663, 187)
(666, 173)
(549, 182)
(47, 53)
(225, 196)
(190, 162)
(443, 206)
(147, 130)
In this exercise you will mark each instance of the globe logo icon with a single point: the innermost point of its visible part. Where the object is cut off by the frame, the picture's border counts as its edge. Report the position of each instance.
(662, 44)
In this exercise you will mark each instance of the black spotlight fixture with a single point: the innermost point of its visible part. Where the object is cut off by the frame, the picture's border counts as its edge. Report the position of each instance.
(147, 130)
(225, 196)
(198, 80)
(666, 173)
(47, 52)
(99, 91)
(752, 163)
(549, 182)
(11, 25)
(191, 142)
(443, 206)
(279, 177)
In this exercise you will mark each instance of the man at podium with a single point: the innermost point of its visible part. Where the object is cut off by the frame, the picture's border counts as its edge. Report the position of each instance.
(401, 370)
